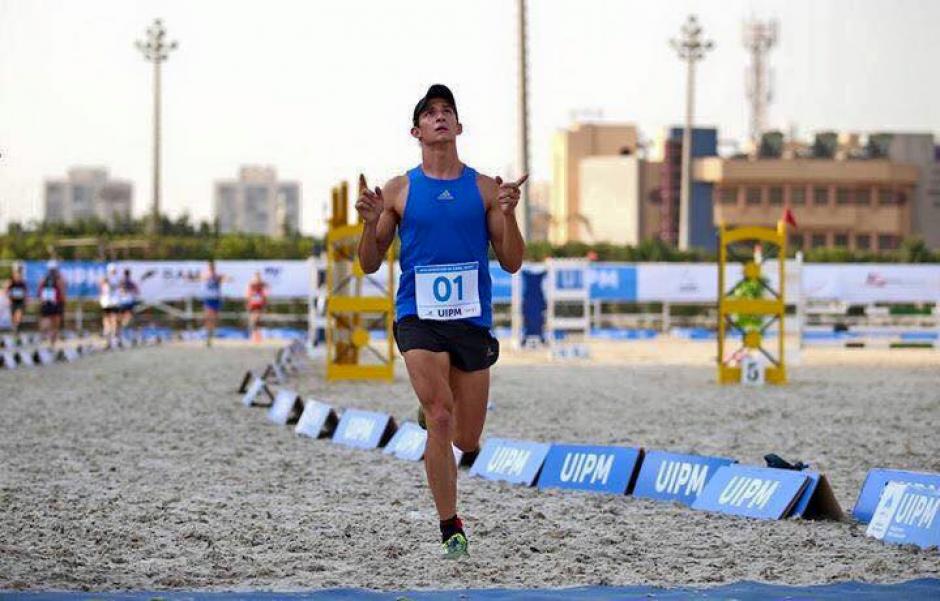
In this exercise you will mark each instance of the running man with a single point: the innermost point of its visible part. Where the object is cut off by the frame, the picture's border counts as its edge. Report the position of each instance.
(128, 297)
(108, 299)
(17, 293)
(51, 295)
(446, 215)
(211, 299)
(256, 297)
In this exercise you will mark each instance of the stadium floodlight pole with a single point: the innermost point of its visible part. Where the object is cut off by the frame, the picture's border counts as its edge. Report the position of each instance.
(691, 48)
(523, 146)
(156, 49)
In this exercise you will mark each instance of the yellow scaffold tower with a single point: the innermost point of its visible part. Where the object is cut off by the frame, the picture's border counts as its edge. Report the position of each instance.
(356, 303)
(742, 301)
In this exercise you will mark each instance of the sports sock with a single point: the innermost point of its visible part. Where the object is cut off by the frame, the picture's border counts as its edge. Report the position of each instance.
(469, 457)
(450, 527)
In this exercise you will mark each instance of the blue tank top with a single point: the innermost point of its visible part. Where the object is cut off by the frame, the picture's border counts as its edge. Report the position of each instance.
(444, 223)
(213, 288)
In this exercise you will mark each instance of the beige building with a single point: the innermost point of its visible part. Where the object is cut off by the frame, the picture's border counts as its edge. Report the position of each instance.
(88, 193)
(920, 150)
(845, 190)
(609, 198)
(569, 148)
(862, 204)
(257, 203)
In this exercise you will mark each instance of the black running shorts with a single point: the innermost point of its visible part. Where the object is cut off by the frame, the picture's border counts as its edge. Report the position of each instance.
(471, 347)
(50, 309)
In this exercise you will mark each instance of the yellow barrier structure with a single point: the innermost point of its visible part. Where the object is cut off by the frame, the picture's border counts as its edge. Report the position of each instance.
(350, 315)
(731, 307)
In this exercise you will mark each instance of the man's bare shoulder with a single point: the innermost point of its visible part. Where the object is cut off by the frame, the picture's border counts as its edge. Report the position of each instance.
(488, 186)
(395, 185)
(395, 191)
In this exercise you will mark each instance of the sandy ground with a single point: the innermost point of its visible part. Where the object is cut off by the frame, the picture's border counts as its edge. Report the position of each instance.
(141, 470)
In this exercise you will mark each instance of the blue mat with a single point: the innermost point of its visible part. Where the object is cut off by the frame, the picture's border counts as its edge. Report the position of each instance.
(925, 588)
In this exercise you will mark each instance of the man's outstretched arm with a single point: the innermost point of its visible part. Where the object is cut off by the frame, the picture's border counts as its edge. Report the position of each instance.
(501, 222)
(380, 218)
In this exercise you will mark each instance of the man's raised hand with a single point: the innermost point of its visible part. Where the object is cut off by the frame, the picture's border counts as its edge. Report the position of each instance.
(369, 204)
(508, 194)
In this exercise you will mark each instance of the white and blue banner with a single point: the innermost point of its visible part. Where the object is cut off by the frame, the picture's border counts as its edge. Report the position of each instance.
(173, 280)
(859, 283)
(871, 282)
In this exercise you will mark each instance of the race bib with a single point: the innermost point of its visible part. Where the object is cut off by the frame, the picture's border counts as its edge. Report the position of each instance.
(48, 295)
(17, 293)
(444, 292)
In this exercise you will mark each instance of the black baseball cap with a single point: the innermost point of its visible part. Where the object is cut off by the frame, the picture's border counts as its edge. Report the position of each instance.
(435, 92)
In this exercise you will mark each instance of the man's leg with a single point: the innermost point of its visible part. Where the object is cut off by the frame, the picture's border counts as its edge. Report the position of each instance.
(429, 378)
(210, 316)
(471, 392)
(57, 320)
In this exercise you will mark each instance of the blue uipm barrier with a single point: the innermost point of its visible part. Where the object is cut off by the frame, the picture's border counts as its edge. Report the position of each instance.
(754, 492)
(318, 420)
(364, 429)
(592, 468)
(817, 501)
(286, 407)
(408, 442)
(907, 515)
(257, 386)
(668, 476)
(924, 588)
(514, 461)
(875, 483)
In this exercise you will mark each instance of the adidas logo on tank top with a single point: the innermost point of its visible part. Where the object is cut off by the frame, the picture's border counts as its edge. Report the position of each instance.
(445, 195)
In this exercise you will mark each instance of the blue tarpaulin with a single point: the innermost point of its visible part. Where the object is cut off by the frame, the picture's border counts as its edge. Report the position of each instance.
(926, 588)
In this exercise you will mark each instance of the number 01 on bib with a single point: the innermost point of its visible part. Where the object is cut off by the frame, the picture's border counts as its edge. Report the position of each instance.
(445, 292)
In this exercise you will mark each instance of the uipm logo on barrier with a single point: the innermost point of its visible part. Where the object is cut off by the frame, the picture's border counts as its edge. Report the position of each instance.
(755, 492)
(875, 483)
(364, 429)
(907, 514)
(676, 477)
(250, 398)
(286, 408)
(514, 461)
(317, 421)
(408, 443)
(592, 468)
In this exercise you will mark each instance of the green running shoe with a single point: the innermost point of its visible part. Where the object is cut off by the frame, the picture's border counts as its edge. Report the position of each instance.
(456, 547)
(422, 421)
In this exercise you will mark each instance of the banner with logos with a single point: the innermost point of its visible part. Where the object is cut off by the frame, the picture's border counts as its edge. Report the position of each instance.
(172, 280)
(81, 277)
(872, 282)
(615, 282)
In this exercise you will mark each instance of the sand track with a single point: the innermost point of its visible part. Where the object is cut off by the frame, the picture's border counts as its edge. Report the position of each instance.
(141, 470)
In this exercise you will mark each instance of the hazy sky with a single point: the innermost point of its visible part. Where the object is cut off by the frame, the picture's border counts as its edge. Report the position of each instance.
(323, 90)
